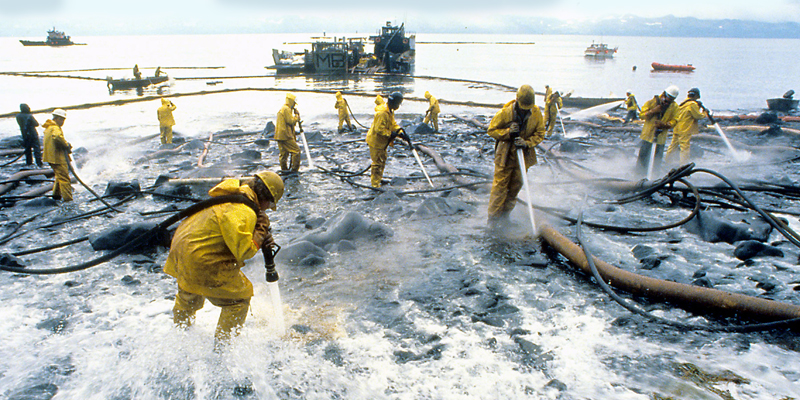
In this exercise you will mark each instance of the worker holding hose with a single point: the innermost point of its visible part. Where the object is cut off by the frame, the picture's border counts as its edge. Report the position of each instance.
(165, 120)
(632, 106)
(56, 153)
(689, 112)
(381, 134)
(660, 115)
(209, 249)
(518, 125)
(288, 117)
(552, 105)
(344, 114)
(432, 115)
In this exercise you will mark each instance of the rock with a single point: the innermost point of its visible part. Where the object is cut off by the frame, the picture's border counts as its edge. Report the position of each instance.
(569, 146)
(296, 252)
(38, 202)
(169, 192)
(650, 262)
(117, 236)
(269, 128)
(262, 142)
(42, 391)
(438, 206)
(387, 197)
(343, 246)
(767, 118)
(398, 181)
(311, 261)
(314, 223)
(311, 137)
(713, 228)
(301, 329)
(195, 144)
(8, 260)
(130, 281)
(703, 282)
(351, 226)
(122, 189)
(248, 155)
(641, 251)
(452, 193)
(557, 385)
(751, 248)
(423, 129)
(55, 325)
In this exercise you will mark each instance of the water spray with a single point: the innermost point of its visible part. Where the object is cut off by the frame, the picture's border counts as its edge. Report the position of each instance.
(272, 285)
(305, 142)
(561, 120)
(652, 161)
(734, 153)
(526, 186)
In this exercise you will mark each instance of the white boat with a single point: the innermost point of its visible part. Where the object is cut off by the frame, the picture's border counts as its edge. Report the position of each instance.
(599, 50)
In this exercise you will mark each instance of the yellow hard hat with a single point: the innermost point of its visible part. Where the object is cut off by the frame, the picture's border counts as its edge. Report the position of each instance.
(525, 97)
(274, 184)
(291, 97)
(427, 95)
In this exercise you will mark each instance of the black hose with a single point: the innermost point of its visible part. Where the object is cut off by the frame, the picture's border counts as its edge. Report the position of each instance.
(354, 116)
(680, 325)
(50, 247)
(12, 161)
(140, 239)
(78, 178)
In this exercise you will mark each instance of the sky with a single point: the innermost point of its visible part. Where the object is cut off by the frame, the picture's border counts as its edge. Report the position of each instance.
(103, 17)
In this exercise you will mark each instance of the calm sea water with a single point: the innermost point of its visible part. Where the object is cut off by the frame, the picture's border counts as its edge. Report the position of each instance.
(374, 310)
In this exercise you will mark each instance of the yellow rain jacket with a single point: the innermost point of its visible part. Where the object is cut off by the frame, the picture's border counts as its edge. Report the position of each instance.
(434, 105)
(630, 103)
(284, 125)
(532, 132)
(382, 127)
(547, 93)
(688, 114)
(209, 247)
(649, 129)
(379, 102)
(341, 105)
(54, 144)
(165, 113)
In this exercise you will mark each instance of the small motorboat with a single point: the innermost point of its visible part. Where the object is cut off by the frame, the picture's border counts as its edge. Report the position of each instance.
(785, 103)
(123, 84)
(671, 67)
(599, 50)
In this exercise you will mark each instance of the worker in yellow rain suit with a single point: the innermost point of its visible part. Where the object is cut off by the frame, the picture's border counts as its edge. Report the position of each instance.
(518, 125)
(379, 102)
(288, 116)
(551, 111)
(548, 91)
(689, 112)
(344, 114)
(632, 106)
(56, 153)
(165, 120)
(432, 115)
(659, 115)
(209, 249)
(381, 134)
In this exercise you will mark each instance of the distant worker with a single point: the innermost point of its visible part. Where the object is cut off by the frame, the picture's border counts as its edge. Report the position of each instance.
(689, 112)
(660, 115)
(518, 125)
(210, 247)
(632, 106)
(56, 153)
(30, 137)
(551, 111)
(158, 71)
(165, 120)
(547, 92)
(286, 137)
(381, 134)
(432, 115)
(136, 73)
(344, 113)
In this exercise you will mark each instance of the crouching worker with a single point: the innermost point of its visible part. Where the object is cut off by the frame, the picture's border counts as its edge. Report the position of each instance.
(519, 125)
(209, 249)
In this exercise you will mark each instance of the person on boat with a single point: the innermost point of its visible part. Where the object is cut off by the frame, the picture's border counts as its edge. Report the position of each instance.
(136, 73)
(210, 247)
(289, 152)
(166, 120)
(551, 111)
(158, 71)
(344, 113)
(56, 153)
(632, 106)
(30, 137)
(689, 112)
(519, 125)
(381, 134)
(660, 115)
(432, 115)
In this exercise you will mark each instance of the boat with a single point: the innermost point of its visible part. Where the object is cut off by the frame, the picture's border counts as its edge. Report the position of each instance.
(393, 52)
(785, 103)
(54, 38)
(600, 50)
(123, 84)
(670, 67)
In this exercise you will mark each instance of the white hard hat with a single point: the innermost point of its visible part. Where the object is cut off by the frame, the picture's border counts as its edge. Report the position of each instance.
(60, 112)
(672, 91)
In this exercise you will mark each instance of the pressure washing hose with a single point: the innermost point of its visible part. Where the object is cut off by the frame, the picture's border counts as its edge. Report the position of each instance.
(75, 174)
(139, 239)
(354, 116)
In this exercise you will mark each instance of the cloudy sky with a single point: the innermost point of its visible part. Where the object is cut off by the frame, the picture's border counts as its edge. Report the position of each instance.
(102, 17)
